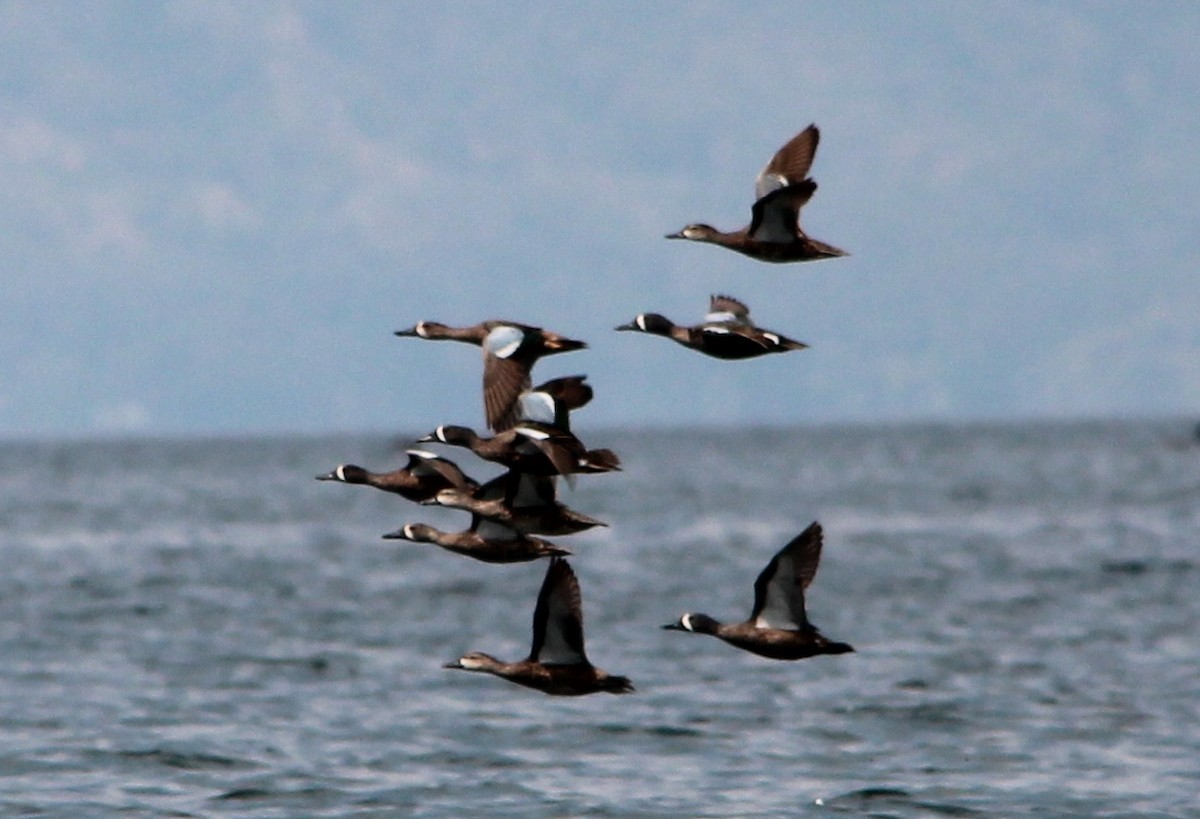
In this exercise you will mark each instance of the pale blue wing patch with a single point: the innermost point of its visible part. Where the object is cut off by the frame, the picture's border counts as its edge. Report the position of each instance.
(537, 407)
(503, 341)
(768, 182)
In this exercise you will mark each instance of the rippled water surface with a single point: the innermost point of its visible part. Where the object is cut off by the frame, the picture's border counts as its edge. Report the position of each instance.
(200, 628)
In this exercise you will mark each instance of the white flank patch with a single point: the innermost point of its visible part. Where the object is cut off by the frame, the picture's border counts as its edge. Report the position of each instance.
(720, 315)
(535, 434)
(716, 328)
(502, 342)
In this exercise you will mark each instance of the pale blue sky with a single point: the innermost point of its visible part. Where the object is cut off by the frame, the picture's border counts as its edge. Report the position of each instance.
(215, 214)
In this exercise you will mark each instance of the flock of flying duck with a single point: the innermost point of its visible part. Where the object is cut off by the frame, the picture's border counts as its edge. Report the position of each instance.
(532, 439)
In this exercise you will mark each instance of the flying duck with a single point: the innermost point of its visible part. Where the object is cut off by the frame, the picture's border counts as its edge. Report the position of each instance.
(778, 627)
(535, 448)
(556, 663)
(419, 479)
(509, 353)
(484, 541)
(552, 402)
(552, 518)
(774, 233)
(726, 332)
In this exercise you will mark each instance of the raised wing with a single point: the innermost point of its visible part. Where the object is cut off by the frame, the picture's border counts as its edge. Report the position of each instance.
(727, 308)
(779, 589)
(558, 618)
(790, 163)
(503, 382)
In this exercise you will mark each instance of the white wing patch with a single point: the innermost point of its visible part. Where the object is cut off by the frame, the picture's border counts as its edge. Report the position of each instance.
(529, 432)
(538, 407)
(503, 341)
(768, 182)
(721, 316)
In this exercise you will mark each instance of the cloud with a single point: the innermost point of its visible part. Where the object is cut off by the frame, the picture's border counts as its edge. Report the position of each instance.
(219, 207)
(33, 142)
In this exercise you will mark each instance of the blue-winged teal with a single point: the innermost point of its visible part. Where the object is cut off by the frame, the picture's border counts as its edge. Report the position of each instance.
(509, 353)
(774, 233)
(778, 626)
(552, 402)
(557, 663)
(727, 332)
(538, 449)
(552, 518)
(484, 541)
(419, 479)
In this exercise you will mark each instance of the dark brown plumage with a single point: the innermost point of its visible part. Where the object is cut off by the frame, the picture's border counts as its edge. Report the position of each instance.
(537, 449)
(509, 353)
(419, 479)
(557, 663)
(727, 332)
(778, 627)
(552, 518)
(481, 543)
(782, 189)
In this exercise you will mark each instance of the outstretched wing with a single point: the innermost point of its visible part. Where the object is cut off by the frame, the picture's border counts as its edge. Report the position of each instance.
(505, 374)
(727, 309)
(558, 618)
(790, 163)
(779, 589)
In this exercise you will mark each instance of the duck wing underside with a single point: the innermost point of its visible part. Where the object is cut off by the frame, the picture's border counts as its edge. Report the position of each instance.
(779, 589)
(775, 217)
(558, 618)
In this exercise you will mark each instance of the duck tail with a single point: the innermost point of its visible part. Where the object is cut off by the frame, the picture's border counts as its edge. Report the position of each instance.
(601, 460)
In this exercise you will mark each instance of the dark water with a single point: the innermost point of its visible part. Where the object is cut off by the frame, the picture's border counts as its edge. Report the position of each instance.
(201, 629)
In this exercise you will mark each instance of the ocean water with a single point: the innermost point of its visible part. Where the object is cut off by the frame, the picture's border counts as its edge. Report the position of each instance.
(199, 628)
